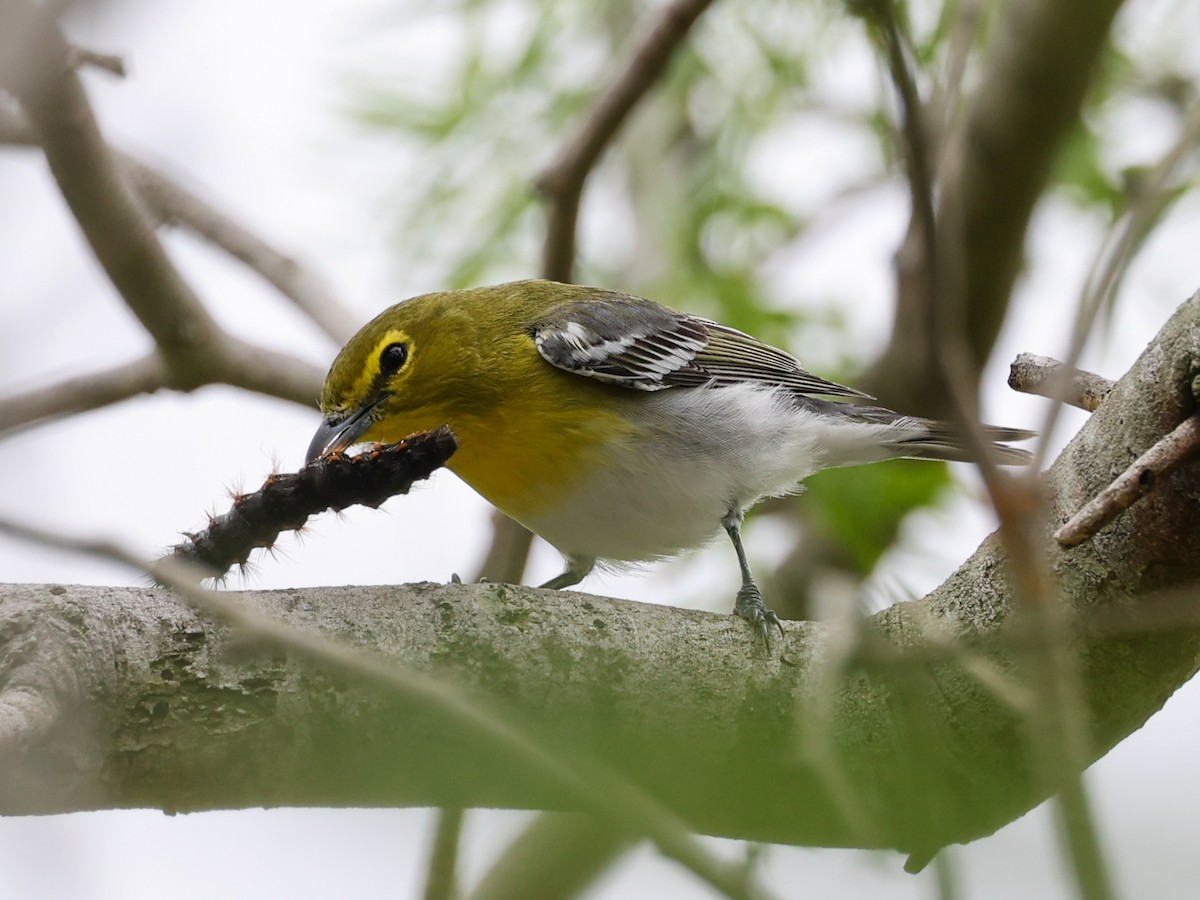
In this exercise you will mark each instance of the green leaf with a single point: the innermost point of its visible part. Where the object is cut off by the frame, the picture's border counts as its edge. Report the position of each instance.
(862, 508)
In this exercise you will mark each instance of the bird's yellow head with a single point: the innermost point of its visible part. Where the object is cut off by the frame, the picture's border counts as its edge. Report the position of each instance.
(433, 360)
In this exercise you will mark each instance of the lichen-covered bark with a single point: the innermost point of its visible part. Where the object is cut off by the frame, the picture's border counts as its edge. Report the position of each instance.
(881, 738)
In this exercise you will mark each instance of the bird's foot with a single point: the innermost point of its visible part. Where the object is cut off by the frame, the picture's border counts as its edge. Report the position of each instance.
(750, 606)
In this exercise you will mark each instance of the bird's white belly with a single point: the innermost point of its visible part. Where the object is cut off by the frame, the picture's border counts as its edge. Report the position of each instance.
(697, 453)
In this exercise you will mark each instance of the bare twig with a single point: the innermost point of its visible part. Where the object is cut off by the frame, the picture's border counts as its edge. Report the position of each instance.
(968, 22)
(950, 275)
(193, 349)
(107, 210)
(172, 203)
(555, 858)
(1151, 199)
(562, 181)
(592, 784)
(1037, 67)
(1078, 829)
(1139, 479)
(83, 393)
(1047, 377)
(507, 553)
(112, 63)
(441, 880)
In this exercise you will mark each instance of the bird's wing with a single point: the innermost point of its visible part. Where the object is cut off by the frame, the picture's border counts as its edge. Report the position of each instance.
(639, 344)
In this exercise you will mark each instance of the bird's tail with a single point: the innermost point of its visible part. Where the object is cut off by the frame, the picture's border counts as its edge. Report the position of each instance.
(941, 441)
(909, 437)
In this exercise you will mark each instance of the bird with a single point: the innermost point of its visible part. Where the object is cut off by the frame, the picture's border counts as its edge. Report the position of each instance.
(618, 429)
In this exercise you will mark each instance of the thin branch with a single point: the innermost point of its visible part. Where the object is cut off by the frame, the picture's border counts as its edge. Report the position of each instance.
(555, 858)
(112, 63)
(1038, 65)
(952, 291)
(271, 373)
(1176, 448)
(562, 181)
(1047, 377)
(508, 552)
(968, 23)
(83, 393)
(441, 880)
(193, 350)
(1078, 828)
(106, 208)
(174, 204)
(930, 261)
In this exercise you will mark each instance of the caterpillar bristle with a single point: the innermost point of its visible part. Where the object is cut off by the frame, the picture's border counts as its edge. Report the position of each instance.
(286, 501)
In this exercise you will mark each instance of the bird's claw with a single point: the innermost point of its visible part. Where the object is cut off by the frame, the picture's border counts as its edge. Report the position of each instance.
(750, 606)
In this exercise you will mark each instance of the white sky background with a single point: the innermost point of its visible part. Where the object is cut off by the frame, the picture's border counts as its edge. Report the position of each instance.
(244, 101)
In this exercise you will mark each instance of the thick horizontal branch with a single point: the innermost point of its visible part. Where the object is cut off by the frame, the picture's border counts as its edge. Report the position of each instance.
(912, 733)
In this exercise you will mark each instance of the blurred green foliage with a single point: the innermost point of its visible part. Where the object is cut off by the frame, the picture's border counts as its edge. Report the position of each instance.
(862, 508)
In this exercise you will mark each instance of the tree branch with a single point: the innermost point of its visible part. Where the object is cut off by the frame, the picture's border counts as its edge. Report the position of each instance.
(1036, 71)
(562, 181)
(1180, 446)
(170, 711)
(1047, 377)
(192, 348)
(112, 219)
(996, 164)
(173, 204)
(83, 393)
(577, 776)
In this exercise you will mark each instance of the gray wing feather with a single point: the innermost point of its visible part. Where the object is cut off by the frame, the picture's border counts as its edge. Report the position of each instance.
(639, 344)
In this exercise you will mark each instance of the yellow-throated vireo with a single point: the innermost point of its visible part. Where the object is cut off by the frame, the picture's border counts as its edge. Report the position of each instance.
(617, 429)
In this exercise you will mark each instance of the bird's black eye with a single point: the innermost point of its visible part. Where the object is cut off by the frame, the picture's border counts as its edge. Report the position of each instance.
(393, 358)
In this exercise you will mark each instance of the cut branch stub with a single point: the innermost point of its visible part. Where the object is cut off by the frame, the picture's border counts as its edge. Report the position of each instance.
(1046, 377)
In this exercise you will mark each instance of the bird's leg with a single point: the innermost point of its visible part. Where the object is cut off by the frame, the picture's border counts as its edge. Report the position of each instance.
(577, 569)
(749, 604)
